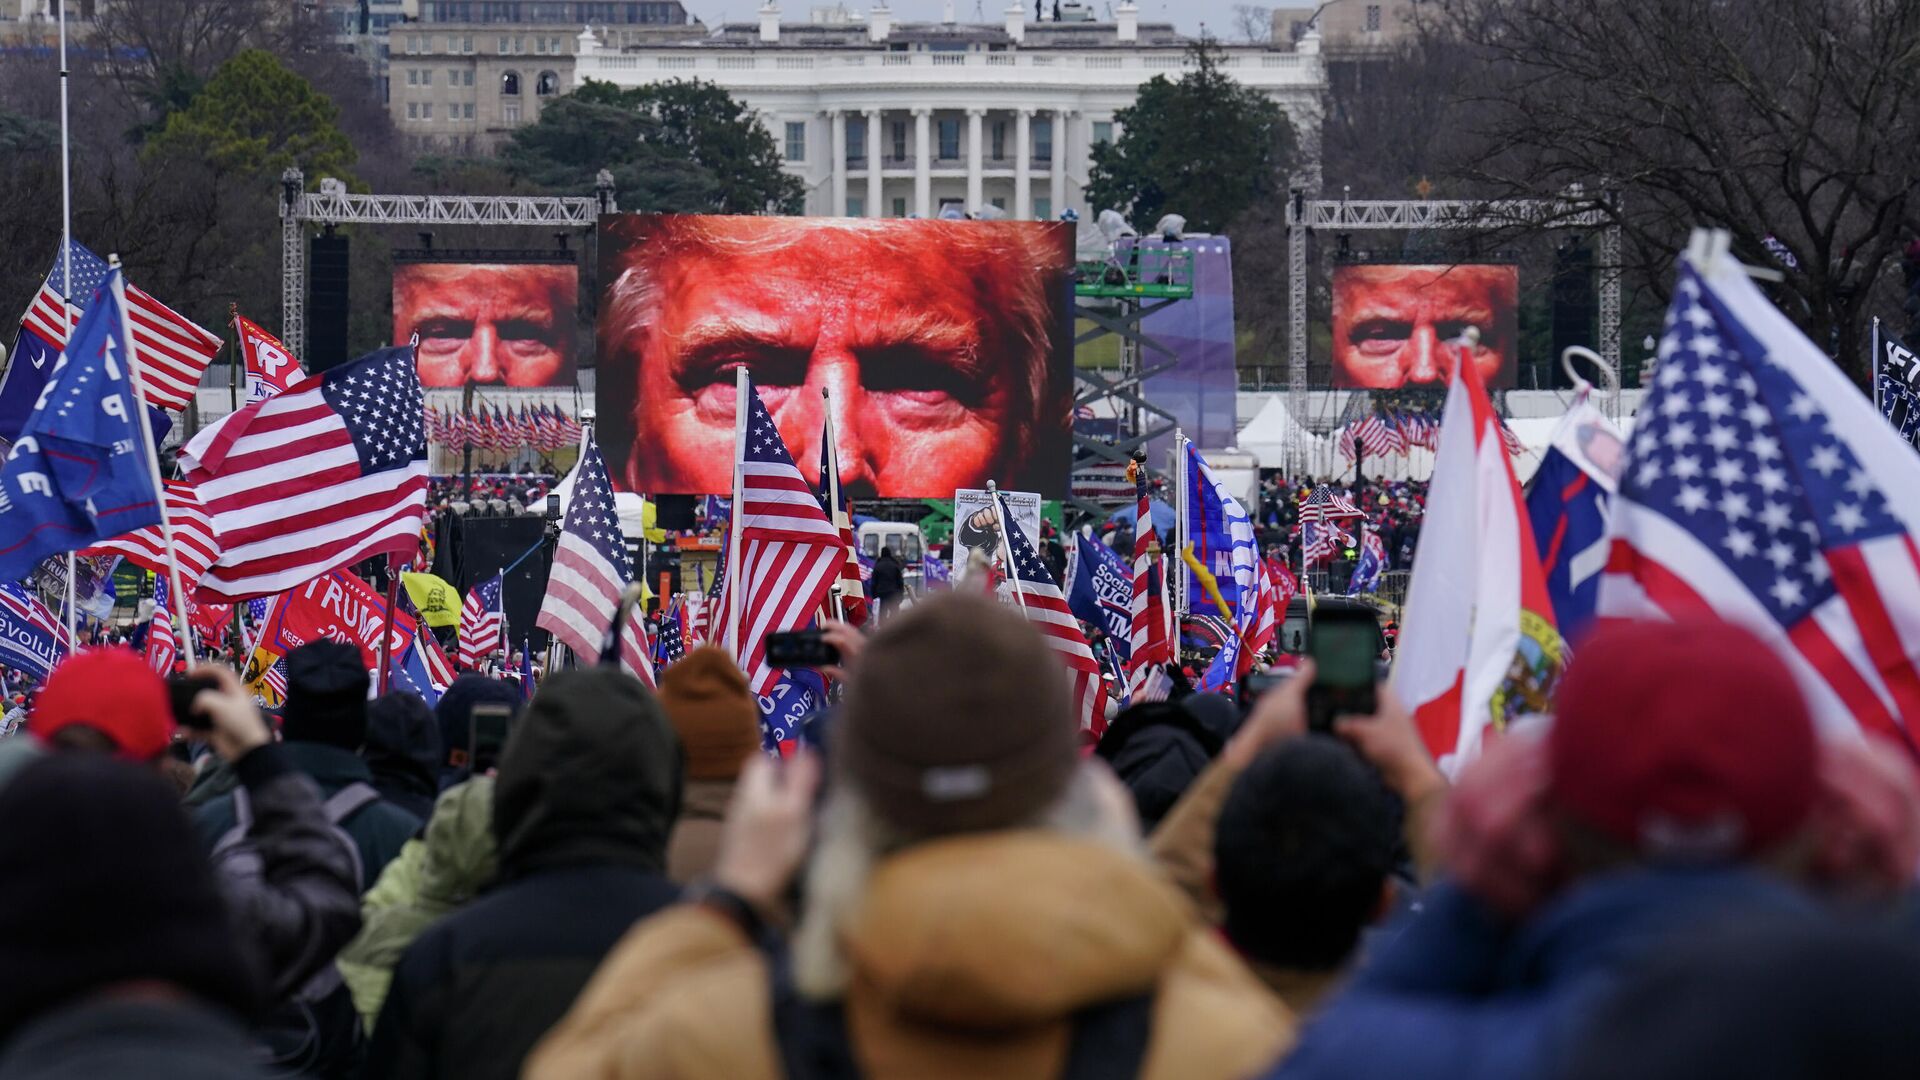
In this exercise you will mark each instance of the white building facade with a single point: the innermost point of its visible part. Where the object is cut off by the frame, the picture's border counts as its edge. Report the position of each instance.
(890, 120)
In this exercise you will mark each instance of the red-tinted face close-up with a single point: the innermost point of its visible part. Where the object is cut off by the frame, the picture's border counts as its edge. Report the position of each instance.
(1395, 326)
(932, 347)
(488, 324)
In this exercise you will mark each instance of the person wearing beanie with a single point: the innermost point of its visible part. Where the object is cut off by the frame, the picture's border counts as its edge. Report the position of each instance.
(323, 726)
(404, 752)
(583, 803)
(455, 714)
(119, 954)
(1680, 788)
(975, 904)
(718, 721)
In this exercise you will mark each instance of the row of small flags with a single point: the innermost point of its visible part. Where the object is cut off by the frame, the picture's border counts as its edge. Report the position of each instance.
(1396, 431)
(545, 428)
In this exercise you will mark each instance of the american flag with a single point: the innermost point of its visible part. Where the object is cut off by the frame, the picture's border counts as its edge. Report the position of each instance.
(331, 472)
(1396, 436)
(193, 538)
(1150, 651)
(482, 623)
(1046, 609)
(1324, 503)
(591, 569)
(1104, 481)
(1760, 487)
(1346, 443)
(439, 669)
(851, 587)
(276, 679)
(162, 649)
(174, 351)
(1372, 433)
(790, 553)
(1270, 609)
(1319, 540)
(1511, 441)
(671, 648)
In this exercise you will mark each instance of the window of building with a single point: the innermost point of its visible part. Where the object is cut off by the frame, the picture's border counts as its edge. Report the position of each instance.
(413, 110)
(999, 140)
(949, 139)
(899, 140)
(466, 77)
(510, 114)
(856, 206)
(466, 44)
(504, 46)
(796, 140)
(426, 76)
(1373, 18)
(540, 46)
(510, 84)
(556, 46)
(856, 143)
(899, 206)
(426, 110)
(467, 109)
(1043, 140)
(413, 77)
(1102, 132)
(1000, 202)
(1043, 209)
(519, 45)
(547, 85)
(453, 76)
(413, 43)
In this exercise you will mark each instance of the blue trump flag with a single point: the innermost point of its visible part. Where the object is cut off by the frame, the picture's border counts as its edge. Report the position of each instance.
(1223, 542)
(785, 713)
(1101, 593)
(1567, 502)
(30, 639)
(79, 472)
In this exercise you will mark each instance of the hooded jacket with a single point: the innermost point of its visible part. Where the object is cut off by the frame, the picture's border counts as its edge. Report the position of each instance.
(588, 788)
(954, 974)
(404, 752)
(430, 879)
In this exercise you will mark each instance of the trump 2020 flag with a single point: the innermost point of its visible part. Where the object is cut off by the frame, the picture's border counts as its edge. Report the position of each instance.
(1761, 487)
(79, 471)
(1567, 504)
(31, 639)
(1478, 642)
(1101, 593)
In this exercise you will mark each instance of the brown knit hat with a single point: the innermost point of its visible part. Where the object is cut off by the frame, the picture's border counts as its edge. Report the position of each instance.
(716, 716)
(957, 719)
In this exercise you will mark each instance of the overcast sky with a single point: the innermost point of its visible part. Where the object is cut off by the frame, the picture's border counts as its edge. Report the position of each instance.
(1187, 16)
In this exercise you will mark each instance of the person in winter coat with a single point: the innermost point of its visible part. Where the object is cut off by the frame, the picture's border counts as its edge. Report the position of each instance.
(1681, 788)
(888, 583)
(975, 906)
(101, 700)
(324, 725)
(586, 796)
(1158, 749)
(455, 713)
(432, 878)
(404, 751)
(119, 957)
(718, 721)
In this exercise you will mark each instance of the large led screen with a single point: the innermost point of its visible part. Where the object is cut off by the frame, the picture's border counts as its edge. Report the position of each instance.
(489, 323)
(1389, 322)
(946, 348)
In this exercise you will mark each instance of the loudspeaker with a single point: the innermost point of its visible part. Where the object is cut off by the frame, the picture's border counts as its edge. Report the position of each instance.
(485, 545)
(327, 303)
(674, 512)
(1575, 307)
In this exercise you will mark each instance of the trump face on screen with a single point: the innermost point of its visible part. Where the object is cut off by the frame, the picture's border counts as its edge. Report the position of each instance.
(943, 345)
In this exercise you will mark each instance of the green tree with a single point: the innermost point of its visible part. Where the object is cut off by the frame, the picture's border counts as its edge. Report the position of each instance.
(699, 122)
(1204, 147)
(256, 117)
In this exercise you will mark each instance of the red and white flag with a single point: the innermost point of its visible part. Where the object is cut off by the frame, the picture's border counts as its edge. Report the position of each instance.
(483, 624)
(790, 554)
(162, 647)
(591, 568)
(174, 350)
(331, 472)
(1149, 649)
(1046, 609)
(193, 538)
(271, 367)
(1478, 643)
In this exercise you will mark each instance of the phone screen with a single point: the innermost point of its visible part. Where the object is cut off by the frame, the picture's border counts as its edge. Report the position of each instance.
(490, 726)
(1343, 652)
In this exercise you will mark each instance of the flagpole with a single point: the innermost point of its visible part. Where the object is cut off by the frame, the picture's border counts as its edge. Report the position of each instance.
(66, 284)
(741, 385)
(260, 630)
(234, 367)
(152, 455)
(830, 454)
(1873, 366)
(1180, 497)
(1000, 511)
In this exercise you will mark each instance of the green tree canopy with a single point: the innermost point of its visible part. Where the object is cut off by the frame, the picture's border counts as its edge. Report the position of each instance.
(1205, 147)
(255, 116)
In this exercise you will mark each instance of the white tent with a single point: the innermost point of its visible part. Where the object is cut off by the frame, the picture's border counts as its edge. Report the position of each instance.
(1268, 433)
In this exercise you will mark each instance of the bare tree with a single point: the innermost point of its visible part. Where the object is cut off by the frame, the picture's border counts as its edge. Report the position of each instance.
(149, 42)
(1789, 123)
(1252, 23)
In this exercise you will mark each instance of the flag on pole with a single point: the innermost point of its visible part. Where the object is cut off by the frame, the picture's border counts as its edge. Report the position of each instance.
(31, 639)
(1234, 568)
(1568, 503)
(331, 472)
(482, 623)
(1270, 609)
(162, 649)
(851, 586)
(1896, 374)
(1149, 651)
(790, 553)
(1760, 487)
(591, 568)
(1478, 644)
(1372, 564)
(671, 647)
(1099, 591)
(270, 365)
(193, 538)
(1046, 609)
(79, 471)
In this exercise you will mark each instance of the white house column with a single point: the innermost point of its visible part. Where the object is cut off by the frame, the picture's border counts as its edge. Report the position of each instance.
(923, 162)
(1023, 165)
(974, 179)
(1059, 163)
(874, 154)
(839, 121)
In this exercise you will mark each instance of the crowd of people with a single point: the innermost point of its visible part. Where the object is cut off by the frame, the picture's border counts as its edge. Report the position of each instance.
(1679, 876)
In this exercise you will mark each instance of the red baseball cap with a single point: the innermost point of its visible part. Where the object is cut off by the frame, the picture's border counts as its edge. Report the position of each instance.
(112, 691)
(1685, 741)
